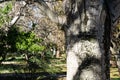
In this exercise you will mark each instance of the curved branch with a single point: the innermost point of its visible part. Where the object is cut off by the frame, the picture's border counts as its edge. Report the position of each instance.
(18, 15)
(51, 14)
(46, 11)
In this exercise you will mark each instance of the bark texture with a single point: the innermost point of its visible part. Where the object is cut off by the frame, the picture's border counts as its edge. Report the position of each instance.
(85, 40)
(114, 10)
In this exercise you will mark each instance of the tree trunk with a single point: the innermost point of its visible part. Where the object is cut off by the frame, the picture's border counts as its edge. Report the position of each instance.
(85, 39)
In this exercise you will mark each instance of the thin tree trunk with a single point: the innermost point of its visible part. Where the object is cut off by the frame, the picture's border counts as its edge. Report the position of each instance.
(85, 40)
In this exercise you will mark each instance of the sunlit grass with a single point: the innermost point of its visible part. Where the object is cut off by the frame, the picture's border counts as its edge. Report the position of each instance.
(114, 75)
(21, 66)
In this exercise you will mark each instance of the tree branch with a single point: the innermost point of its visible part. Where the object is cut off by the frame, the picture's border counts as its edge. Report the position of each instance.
(51, 14)
(16, 18)
(46, 11)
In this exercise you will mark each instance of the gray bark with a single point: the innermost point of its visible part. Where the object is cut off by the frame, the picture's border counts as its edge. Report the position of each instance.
(85, 40)
(114, 9)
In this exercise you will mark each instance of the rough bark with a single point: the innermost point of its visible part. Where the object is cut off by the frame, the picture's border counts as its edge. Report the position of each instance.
(85, 40)
(114, 10)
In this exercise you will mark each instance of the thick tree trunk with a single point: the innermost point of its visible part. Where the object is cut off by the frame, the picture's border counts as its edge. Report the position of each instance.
(85, 40)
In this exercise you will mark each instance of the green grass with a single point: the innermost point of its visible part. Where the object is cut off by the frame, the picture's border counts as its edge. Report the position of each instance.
(19, 65)
(115, 78)
(58, 65)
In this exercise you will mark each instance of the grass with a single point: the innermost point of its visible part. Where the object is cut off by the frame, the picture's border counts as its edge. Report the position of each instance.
(54, 65)
(115, 78)
(20, 66)
(114, 75)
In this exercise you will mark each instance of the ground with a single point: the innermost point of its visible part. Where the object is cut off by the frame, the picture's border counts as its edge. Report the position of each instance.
(19, 66)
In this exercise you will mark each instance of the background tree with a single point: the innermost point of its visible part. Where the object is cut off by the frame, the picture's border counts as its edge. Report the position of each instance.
(30, 38)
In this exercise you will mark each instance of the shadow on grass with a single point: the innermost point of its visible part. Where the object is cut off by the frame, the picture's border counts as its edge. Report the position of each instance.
(115, 78)
(32, 76)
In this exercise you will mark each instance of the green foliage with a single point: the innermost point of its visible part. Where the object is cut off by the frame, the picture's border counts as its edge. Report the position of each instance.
(4, 13)
(36, 47)
(7, 8)
(3, 41)
(49, 47)
(16, 41)
(28, 42)
(48, 53)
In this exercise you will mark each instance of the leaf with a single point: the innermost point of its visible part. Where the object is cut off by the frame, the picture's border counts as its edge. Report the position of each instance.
(7, 8)
(36, 47)
(3, 13)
